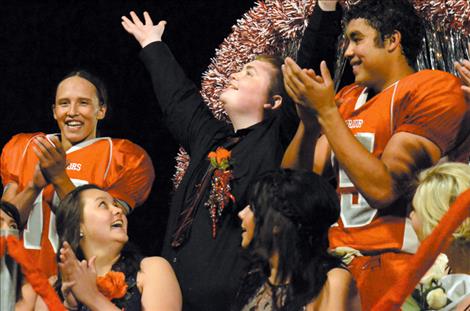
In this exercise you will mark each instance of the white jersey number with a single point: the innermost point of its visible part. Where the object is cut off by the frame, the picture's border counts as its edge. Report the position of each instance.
(356, 214)
(33, 232)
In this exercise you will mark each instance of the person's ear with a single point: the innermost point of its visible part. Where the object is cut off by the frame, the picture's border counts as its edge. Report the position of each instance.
(393, 41)
(101, 112)
(82, 234)
(53, 112)
(276, 103)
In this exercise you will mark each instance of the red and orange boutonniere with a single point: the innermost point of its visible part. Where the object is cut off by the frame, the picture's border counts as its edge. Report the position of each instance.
(220, 158)
(220, 194)
(112, 285)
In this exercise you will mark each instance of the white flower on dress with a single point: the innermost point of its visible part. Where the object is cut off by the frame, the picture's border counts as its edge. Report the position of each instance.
(436, 299)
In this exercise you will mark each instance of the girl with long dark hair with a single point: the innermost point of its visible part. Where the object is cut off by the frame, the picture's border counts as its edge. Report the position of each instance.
(285, 228)
(92, 229)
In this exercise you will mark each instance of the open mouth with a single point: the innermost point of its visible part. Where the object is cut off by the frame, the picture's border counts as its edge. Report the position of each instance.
(117, 224)
(73, 124)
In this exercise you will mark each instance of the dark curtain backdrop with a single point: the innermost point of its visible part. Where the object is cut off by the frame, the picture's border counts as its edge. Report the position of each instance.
(40, 41)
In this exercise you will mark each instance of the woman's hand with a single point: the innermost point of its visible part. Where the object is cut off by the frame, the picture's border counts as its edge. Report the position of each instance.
(68, 262)
(79, 279)
(84, 279)
(52, 159)
(78, 276)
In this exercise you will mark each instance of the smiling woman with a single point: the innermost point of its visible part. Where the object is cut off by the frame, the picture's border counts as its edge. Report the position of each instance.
(38, 169)
(79, 104)
(98, 269)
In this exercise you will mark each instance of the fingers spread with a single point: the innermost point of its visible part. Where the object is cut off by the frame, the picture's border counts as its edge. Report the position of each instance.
(147, 19)
(136, 19)
(127, 24)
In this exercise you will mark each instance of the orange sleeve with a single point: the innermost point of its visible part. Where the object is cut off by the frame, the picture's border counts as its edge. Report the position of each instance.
(131, 173)
(346, 98)
(433, 108)
(12, 153)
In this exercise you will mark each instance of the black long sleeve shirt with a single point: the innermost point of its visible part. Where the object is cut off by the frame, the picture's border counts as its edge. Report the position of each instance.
(209, 269)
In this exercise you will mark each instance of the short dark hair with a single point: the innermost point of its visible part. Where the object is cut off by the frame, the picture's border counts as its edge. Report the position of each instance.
(388, 16)
(276, 86)
(101, 91)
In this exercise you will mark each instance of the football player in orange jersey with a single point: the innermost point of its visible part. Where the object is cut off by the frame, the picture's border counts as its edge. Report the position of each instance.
(392, 122)
(37, 169)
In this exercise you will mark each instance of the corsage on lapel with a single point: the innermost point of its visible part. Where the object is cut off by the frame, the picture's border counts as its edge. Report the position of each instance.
(220, 194)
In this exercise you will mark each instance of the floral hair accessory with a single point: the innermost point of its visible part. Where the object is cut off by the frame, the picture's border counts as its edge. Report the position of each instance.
(220, 194)
(112, 285)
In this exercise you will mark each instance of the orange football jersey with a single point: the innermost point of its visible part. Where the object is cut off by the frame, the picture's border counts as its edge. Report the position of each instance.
(117, 165)
(428, 103)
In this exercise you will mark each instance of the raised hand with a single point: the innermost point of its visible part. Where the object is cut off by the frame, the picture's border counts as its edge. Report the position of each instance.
(143, 33)
(327, 5)
(51, 157)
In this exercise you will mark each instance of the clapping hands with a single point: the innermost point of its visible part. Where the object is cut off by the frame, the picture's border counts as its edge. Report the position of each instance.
(463, 68)
(78, 277)
(308, 89)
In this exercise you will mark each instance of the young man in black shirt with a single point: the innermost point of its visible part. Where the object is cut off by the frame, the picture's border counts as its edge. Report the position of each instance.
(202, 242)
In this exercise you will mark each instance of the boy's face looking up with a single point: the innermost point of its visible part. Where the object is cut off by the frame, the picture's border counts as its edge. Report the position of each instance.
(248, 90)
(367, 53)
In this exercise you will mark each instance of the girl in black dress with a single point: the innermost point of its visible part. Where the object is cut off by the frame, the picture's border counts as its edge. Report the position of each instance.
(285, 228)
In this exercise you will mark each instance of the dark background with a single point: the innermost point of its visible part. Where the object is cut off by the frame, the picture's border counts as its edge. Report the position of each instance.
(40, 41)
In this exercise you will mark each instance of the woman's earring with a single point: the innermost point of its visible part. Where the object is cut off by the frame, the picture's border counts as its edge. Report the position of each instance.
(81, 234)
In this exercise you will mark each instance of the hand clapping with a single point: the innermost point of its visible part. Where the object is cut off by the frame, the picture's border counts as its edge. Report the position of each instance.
(463, 68)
